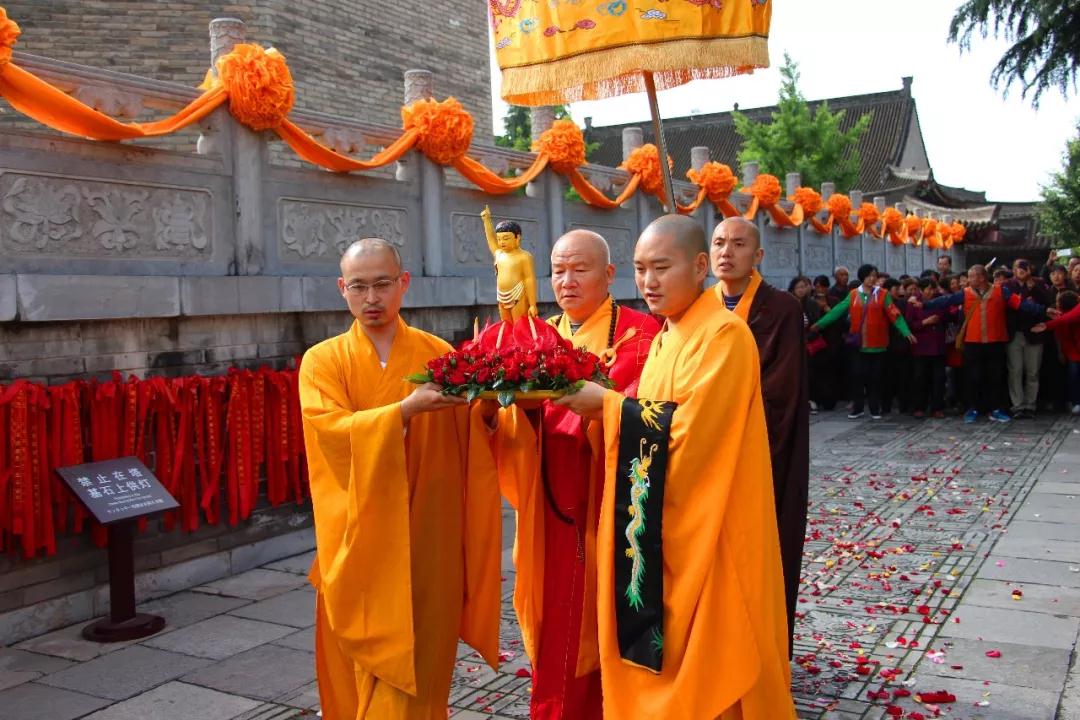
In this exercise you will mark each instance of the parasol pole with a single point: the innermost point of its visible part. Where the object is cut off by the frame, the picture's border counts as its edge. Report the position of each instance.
(661, 144)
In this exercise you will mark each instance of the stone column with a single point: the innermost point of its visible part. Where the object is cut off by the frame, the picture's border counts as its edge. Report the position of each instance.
(541, 119)
(699, 157)
(632, 139)
(827, 190)
(901, 208)
(792, 182)
(879, 203)
(420, 85)
(750, 170)
(549, 187)
(856, 199)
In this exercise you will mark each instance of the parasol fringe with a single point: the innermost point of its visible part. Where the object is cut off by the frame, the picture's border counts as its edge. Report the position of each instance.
(617, 71)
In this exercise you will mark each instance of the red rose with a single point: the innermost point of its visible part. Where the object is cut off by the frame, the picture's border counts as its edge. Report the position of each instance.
(511, 373)
(483, 375)
(438, 376)
(457, 376)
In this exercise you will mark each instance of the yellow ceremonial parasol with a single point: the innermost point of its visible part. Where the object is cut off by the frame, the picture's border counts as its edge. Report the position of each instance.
(562, 51)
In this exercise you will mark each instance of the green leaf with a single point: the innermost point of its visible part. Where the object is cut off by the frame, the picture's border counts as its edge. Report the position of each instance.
(506, 398)
(472, 393)
(420, 378)
(527, 386)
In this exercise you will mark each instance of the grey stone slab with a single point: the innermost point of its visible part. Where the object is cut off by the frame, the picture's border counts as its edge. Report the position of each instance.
(1020, 665)
(321, 293)
(1069, 709)
(1069, 489)
(209, 296)
(292, 294)
(69, 643)
(1036, 529)
(1051, 599)
(19, 666)
(1015, 626)
(45, 616)
(299, 640)
(266, 673)
(170, 579)
(296, 609)
(96, 297)
(306, 697)
(1038, 548)
(219, 637)
(7, 298)
(438, 292)
(258, 294)
(1048, 507)
(246, 557)
(297, 564)
(257, 584)
(179, 701)
(1006, 702)
(1044, 572)
(125, 673)
(31, 701)
(186, 608)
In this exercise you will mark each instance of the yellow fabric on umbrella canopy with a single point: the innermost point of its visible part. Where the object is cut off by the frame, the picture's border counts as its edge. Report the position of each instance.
(559, 51)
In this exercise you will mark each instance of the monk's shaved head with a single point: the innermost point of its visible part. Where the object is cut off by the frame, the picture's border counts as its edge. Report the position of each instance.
(743, 227)
(369, 246)
(687, 234)
(581, 240)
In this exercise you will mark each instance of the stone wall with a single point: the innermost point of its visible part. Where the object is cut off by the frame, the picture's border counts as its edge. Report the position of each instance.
(346, 56)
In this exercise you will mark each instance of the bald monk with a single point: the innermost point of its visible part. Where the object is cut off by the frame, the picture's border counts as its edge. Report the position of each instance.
(397, 472)
(776, 321)
(691, 617)
(552, 473)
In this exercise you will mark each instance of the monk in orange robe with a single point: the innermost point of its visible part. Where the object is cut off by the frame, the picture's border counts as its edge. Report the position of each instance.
(397, 474)
(552, 473)
(690, 591)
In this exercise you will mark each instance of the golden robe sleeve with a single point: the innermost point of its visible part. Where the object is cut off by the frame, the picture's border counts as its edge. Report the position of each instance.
(362, 521)
(724, 624)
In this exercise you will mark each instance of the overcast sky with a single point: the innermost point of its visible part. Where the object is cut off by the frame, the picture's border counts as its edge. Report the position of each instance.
(975, 138)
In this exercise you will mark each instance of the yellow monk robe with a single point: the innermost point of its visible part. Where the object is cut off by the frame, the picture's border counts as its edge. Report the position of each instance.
(555, 561)
(407, 527)
(725, 640)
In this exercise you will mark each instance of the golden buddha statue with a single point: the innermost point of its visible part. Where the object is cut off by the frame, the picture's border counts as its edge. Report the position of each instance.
(515, 275)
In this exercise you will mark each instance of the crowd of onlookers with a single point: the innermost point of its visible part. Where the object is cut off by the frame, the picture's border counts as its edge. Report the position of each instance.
(1003, 343)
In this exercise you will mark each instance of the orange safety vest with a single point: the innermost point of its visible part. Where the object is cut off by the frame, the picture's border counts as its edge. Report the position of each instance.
(875, 334)
(984, 316)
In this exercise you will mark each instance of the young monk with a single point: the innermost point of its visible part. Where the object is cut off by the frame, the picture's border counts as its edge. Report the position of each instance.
(690, 590)
(397, 474)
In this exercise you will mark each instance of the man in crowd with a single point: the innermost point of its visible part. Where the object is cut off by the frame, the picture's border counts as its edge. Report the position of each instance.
(692, 619)
(944, 265)
(397, 472)
(553, 473)
(839, 290)
(776, 322)
(1025, 351)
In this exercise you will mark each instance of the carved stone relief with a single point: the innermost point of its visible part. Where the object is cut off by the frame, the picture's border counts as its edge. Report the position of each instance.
(315, 230)
(781, 255)
(469, 245)
(80, 217)
(817, 258)
(849, 256)
(620, 241)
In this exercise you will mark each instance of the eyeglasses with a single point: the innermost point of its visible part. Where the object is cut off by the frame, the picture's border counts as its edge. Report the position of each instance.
(381, 287)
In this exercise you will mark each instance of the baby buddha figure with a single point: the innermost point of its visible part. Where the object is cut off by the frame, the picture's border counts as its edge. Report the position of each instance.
(515, 277)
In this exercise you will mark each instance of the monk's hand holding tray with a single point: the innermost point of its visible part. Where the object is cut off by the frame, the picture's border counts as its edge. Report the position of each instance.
(526, 362)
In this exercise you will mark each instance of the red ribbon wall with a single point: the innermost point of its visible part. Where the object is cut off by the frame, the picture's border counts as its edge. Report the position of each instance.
(209, 440)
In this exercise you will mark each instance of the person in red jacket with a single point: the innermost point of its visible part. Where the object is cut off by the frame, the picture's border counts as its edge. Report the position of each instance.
(871, 310)
(1067, 333)
(985, 336)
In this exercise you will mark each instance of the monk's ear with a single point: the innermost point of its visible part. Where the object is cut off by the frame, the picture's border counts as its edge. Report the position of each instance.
(609, 274)
(341, 286)
(701, 266)
(405, 280)
(759, 255)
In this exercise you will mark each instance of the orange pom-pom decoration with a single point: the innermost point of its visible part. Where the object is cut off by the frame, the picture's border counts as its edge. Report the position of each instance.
(891, 220)
(869, 214)
(259, 84)
(9, 33)
(564, 145)
(445, 128)
(716, 179)
(945, 231)
(959, 230)
(840, 206)
(809, 199)
(913, 223)
(766, 188)
(645, 161)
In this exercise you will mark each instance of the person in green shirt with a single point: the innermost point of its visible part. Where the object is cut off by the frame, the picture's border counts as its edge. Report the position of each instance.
(871, 311)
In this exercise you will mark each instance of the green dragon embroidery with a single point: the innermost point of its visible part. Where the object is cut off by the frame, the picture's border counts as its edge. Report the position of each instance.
(639, 493)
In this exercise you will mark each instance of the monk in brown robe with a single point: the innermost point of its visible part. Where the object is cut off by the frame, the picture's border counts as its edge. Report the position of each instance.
(551, 469)
(689, 587)
(776, 321)
(397, 474)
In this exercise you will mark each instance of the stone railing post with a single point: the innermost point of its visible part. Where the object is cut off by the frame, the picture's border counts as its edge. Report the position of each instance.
(420, 85)
(827, 190)
(549, 187)
(856, 199)
(225, 34)
(792, 181)
(879, 203)
(750, 170)
(632, 139)
(699, 156)
(249, 159)
(541, 119)
(901, 208)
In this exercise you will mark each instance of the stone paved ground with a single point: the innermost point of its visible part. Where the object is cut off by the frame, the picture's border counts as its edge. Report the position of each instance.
(932, 545)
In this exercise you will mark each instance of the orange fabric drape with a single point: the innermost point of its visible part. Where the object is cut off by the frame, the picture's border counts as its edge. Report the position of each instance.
(590, 194)
(491, 183)
(316, 153)
(50, 106)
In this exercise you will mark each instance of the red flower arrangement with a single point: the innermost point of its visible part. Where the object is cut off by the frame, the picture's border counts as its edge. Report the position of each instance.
(524, 360)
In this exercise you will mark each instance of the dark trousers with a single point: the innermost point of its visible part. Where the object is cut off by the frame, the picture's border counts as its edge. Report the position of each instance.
(984, 373)
(867, 382)
(896, 381)
(1074, 383)
(928, 383)
(1052, 386)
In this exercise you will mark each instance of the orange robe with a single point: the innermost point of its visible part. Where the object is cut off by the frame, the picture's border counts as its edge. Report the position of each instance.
(725, 639)
(397, 576)
(555, 588)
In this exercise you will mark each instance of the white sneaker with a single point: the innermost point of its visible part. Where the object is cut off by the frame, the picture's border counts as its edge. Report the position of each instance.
(1076, 409)
(813, 406)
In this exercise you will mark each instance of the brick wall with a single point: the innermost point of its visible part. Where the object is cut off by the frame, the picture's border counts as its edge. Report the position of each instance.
(347, 56)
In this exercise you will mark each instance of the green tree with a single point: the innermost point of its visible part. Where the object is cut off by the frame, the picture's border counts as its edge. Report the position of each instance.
(518, 127)
(1059, 216)
(804, 141)
(1045, 37)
